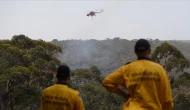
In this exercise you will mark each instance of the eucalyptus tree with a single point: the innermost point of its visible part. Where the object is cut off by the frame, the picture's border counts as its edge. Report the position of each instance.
(95, 97)
(171, 58)
(26, 67)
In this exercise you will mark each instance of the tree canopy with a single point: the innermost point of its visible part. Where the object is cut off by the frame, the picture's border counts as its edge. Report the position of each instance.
(26, 67)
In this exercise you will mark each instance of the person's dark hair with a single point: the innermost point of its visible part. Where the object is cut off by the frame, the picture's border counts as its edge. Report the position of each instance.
(63, 72)
(141, 45)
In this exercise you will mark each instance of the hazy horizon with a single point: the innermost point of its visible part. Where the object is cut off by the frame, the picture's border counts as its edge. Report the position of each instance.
(65, 20)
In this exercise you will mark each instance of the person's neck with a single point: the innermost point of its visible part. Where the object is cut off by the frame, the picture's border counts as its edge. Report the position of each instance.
(145, 56)
(62, 82)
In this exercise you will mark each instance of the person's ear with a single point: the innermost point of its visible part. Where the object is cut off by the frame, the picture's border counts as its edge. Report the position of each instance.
(149, 50)
(69, 77)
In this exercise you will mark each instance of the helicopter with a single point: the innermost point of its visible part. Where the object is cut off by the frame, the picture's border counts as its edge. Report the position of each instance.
(93, 13)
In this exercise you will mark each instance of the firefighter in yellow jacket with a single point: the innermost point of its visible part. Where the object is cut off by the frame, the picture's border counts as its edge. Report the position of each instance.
(146, 81)
(60, 96)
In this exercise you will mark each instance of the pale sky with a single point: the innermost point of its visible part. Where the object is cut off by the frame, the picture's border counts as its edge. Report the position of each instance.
(66, 19)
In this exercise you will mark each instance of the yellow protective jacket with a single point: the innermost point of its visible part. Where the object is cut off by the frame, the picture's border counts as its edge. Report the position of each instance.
(147, 83)
(61, 97)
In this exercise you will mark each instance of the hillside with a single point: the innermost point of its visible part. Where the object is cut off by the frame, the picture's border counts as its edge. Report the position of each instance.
(188, 41)
(108, 54)
(29, 66)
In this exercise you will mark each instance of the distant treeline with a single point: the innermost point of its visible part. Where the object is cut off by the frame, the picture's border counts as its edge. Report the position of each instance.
(108, 54)
(28, 66)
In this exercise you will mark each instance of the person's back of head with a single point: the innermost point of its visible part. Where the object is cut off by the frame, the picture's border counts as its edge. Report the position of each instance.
(142, 48)
(63, 73)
